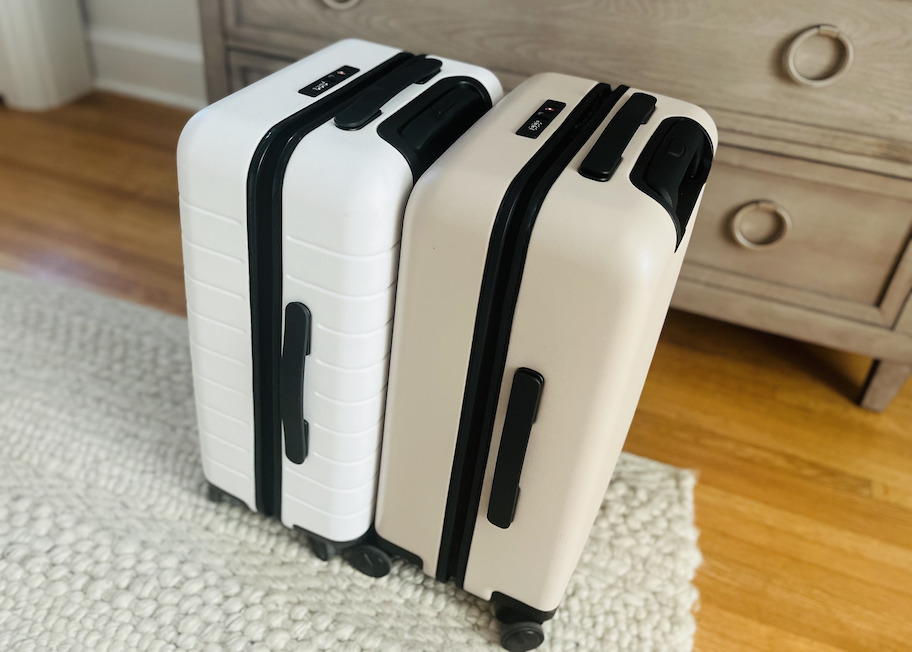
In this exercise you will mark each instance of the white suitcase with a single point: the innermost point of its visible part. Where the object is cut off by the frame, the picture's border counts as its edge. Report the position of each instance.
(292, 192)
(539, 256)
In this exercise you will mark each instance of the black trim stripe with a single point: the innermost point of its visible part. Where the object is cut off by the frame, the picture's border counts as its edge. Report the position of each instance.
(265, 179)
(506, 256)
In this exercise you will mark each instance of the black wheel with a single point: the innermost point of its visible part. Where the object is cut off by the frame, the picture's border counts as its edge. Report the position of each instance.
(214, 494)
(522, 636)
(368, 559)
(322, 549)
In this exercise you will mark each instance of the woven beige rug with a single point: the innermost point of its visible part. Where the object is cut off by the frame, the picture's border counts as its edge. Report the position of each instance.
(108, 543)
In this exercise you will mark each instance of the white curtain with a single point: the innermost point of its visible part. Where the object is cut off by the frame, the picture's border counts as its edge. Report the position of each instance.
(43, 55)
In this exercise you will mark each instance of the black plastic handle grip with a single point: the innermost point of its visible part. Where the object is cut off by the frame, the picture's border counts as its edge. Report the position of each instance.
(291, 380)
(525, 395)
(367, 106)
(605, 156)
(441, 123)
(676, 162)
(673, 168)
(425, 128)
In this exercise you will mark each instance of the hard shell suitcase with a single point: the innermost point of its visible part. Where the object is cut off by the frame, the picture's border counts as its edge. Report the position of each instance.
(539, 255)
(292, 192)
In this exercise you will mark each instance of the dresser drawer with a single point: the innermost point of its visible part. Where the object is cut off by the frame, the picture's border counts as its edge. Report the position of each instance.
(245, 68)
(845, 251)
(724, 54)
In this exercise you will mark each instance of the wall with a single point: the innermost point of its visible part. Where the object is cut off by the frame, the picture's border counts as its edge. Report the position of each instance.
(6, 79)
(151, 50)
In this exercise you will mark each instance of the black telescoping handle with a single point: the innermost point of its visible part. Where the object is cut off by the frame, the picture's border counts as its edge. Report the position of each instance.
(367, 106)
(438, 126)
(291, 377)
(680, 163)
(525, 395)
(673, 167)
(425, 128)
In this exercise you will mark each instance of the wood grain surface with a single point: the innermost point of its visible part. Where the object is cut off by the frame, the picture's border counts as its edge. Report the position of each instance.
(837, 158)
(89, 196)
(844, 243)
(804, 500)
(720, 55)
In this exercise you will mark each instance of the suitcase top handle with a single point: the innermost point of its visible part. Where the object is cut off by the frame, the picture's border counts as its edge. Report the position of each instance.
(605, 156)
(367, 106)
(673, 166)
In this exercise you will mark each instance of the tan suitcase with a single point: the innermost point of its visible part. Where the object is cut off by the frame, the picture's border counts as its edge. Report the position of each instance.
(539, 255)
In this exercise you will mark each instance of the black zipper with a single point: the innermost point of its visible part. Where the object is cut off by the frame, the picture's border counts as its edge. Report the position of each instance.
(507, 249)
(265, 178)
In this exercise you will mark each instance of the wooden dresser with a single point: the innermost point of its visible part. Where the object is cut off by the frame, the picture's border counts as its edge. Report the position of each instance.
(806, 225)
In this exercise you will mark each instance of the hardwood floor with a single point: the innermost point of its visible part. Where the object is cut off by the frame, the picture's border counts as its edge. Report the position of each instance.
(89, 197)
(804, 500)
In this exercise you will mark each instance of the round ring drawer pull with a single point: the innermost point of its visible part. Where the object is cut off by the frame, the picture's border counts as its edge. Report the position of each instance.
(830, 31)
(737, 222)
(340, 4)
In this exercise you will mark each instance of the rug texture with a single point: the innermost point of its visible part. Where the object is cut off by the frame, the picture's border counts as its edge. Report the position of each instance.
(107, 541)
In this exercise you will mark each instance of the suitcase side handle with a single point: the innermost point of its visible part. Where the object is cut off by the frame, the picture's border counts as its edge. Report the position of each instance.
(291, 373)
(366, 106)
(522, 409)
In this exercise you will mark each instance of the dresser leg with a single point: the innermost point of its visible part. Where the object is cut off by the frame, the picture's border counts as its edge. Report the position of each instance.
(884, 381)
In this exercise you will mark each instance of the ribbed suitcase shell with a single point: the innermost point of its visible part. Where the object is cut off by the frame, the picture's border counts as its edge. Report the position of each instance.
(601, 266)
(342, 204)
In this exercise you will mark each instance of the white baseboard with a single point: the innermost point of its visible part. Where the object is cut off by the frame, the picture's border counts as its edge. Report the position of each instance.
(149, 67)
